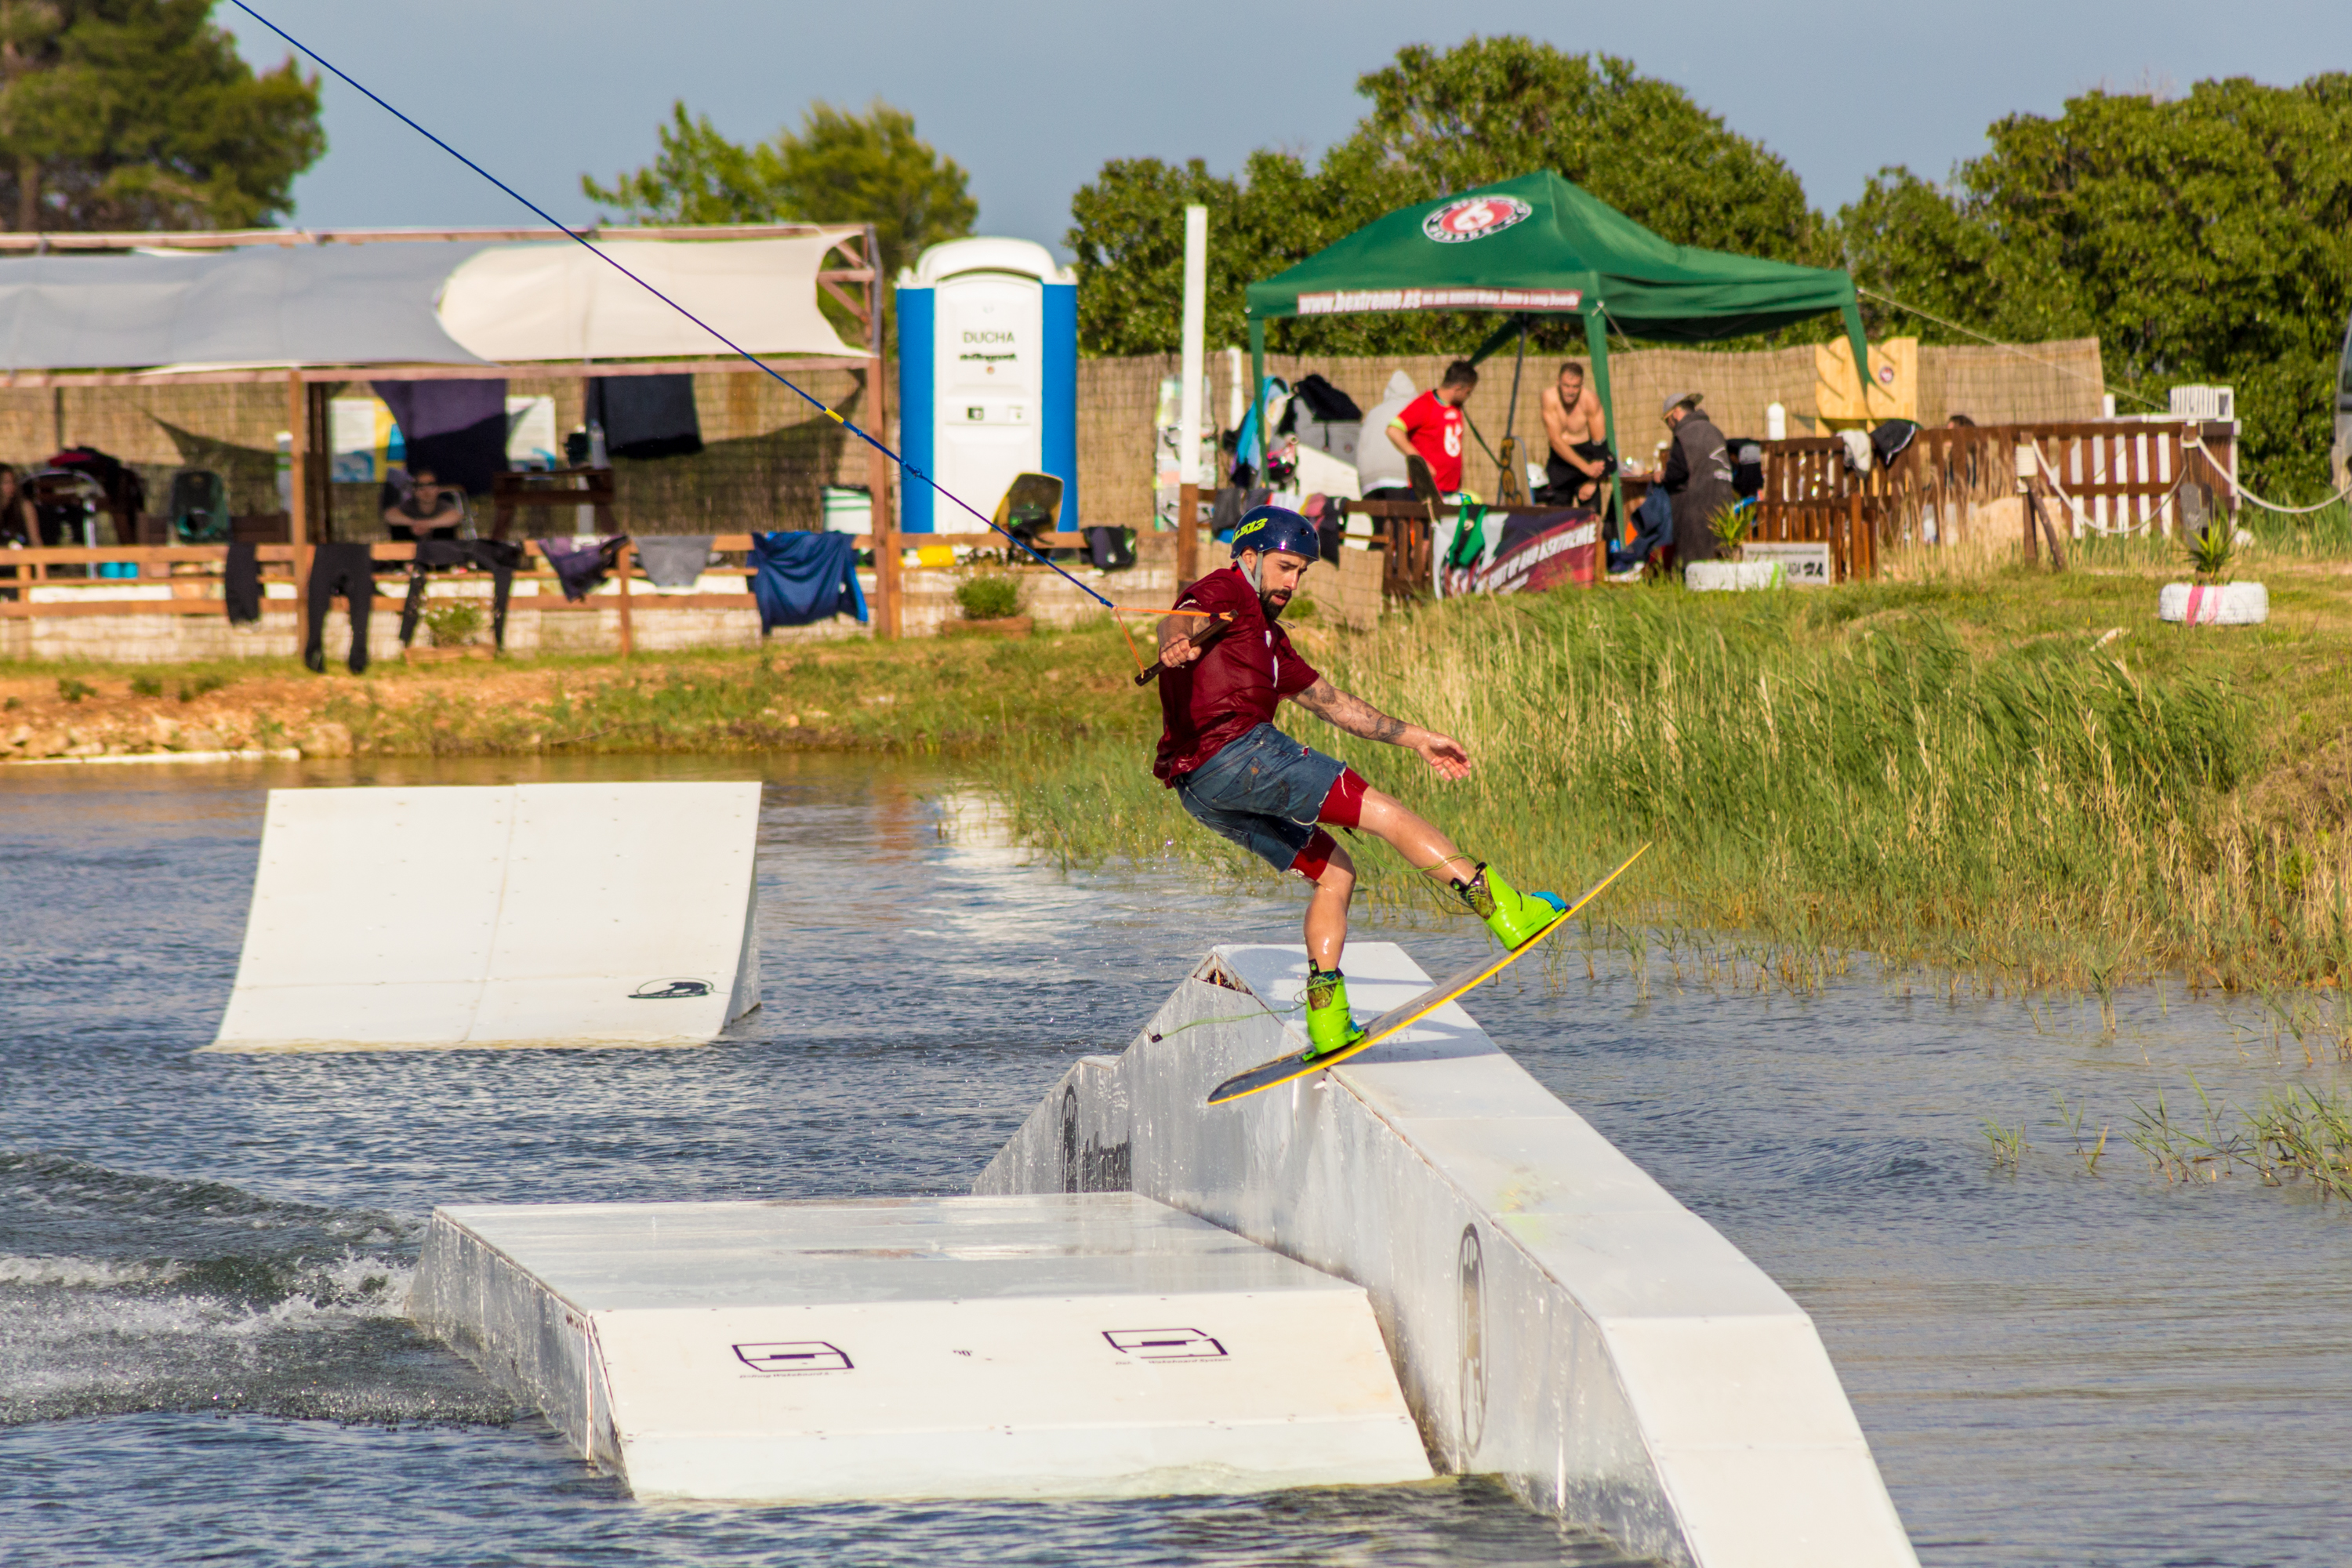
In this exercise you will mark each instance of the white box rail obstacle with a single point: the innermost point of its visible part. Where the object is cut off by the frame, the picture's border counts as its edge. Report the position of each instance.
(1057, 1346)
(1555, 1316)
(599, 914)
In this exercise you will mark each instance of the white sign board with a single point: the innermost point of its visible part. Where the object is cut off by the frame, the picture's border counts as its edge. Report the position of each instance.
(1807, 563)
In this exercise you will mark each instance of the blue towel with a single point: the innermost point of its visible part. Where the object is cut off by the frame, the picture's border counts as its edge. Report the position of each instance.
(800, 578)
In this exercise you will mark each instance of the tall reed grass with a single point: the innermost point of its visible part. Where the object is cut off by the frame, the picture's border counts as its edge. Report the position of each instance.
(1817, 771)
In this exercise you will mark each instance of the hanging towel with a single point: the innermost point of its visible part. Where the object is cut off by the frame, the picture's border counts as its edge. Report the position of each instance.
(581, 564)
(456, 429)
(241, 583)
(804, 577)
(675, 559)
(645, 416)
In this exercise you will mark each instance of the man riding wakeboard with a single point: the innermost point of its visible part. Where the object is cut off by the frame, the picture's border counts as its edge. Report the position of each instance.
(1228, 665)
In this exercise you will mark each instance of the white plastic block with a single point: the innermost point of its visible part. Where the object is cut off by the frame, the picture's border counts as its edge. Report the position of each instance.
(519, 915)
(912, 1347)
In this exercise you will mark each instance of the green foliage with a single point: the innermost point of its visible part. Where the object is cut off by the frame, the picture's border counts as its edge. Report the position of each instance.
(2200, 239)
(839, 167)
(2209, 549)
(140, 114)
(146, 686)
(74, 690)
(202, 686)
(454, 623)
(991, 597)
(1729, 527)
(1440, 120)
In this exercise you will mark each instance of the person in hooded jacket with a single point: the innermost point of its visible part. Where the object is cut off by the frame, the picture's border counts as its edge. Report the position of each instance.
(1697, 476)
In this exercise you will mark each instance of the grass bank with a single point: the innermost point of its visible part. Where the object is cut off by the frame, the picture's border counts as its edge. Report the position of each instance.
(930, 696)
(2006, 772)
(1968, 765)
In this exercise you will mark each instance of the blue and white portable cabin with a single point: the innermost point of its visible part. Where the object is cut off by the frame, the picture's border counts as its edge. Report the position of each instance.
(988, 378)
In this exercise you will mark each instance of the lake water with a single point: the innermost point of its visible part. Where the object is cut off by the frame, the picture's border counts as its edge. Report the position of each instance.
(201, 1259)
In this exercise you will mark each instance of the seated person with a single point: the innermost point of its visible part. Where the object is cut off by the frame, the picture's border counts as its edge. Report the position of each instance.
(415, 507)
(1577, 468)
(1654, 526)
(1431, 426)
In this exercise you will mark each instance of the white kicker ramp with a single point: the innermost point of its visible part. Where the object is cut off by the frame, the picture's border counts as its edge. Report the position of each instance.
(1061, 1346)
(590, 914)
(1555, 1316)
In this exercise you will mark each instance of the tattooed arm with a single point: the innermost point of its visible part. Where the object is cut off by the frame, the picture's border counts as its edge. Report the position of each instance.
(1345, 711)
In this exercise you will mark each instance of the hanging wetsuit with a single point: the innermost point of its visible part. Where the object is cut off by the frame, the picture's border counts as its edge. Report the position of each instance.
(347, 569)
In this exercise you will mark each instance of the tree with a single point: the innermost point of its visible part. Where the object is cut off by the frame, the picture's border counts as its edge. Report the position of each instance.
(839, 167)
(2200, 239)
(1440, 122)
(139, 114)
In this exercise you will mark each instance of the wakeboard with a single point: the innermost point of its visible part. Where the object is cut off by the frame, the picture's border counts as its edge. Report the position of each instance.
(1404, 1015)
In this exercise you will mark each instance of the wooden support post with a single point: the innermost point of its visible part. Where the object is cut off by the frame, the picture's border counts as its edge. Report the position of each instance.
(298, 506)
(624, 563)
(1188, 534)
(889, 617)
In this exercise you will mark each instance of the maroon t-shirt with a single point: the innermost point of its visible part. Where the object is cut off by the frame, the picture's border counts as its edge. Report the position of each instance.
(1231, 689)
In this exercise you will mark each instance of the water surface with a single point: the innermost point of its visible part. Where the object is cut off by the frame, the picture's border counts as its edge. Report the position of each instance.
(202, 1257)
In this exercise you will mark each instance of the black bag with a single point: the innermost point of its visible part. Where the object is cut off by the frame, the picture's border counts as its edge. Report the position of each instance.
(1326, 404)
(1110, 549)
(199, 507)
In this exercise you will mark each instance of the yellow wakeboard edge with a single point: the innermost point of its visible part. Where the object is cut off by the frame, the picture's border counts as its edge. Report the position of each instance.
(1402, 1017)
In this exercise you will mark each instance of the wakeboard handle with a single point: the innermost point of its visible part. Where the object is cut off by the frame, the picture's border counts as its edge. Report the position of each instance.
(1153, 672)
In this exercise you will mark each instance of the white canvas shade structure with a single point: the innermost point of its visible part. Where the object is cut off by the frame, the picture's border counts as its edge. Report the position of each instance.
(618, 914)
(463, 305)
(1100, 1345)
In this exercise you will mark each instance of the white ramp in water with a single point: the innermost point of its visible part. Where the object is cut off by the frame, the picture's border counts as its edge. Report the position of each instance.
(602, 914)
(1033, 1346)
(1557, 1319)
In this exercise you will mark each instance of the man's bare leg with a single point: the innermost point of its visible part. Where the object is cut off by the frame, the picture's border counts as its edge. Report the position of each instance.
(1415, 837)
(1326, 912)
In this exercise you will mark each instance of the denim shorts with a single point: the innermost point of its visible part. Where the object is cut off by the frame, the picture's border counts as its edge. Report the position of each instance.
(1263, 791)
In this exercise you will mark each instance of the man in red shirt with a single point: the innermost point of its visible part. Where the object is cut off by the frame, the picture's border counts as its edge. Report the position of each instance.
(1225, 669)
(1431, 425)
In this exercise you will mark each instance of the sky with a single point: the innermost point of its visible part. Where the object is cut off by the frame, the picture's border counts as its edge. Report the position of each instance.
(1033, 96)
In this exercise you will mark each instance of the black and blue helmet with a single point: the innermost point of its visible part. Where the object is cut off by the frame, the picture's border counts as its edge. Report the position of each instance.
(1276, 528)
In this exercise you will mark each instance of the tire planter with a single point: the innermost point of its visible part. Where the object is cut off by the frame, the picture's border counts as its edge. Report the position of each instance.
(2207, 605)
(1734, 576)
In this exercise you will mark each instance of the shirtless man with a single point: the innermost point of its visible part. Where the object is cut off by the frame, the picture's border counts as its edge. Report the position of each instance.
(1580, 460)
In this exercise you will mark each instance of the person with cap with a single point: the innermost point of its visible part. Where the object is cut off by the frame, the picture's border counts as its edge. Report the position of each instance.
(1227, 663)
(1696, 477)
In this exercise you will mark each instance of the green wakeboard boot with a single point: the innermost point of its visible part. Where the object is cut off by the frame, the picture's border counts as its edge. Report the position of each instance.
(1329, 1025)
(1513, 917)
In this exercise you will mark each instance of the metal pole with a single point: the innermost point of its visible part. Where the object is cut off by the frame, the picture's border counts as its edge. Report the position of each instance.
(888, 618)
(1193, 344)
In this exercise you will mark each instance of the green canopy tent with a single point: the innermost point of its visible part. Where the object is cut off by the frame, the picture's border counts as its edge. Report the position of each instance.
(1539, 245)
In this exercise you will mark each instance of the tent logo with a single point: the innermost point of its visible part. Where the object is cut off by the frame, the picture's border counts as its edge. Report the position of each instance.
(1475, 218)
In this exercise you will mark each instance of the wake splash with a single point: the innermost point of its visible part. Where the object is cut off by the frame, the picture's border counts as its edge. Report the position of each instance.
(121, 1292)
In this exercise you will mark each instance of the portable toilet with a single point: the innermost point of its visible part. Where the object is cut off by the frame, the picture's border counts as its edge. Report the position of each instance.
(988, 379)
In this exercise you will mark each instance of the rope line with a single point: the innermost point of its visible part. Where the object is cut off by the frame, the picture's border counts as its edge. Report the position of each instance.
(873, 262)
(2012, 347)
(2198, 441)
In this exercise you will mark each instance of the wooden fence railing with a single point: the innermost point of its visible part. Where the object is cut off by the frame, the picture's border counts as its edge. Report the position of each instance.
(2101, 476)
(50, 582)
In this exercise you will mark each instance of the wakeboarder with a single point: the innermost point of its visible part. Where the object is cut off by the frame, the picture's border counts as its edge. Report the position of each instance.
(1227, 663)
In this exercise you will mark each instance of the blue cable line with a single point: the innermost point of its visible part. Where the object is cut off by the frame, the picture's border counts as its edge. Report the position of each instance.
(873, 262)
